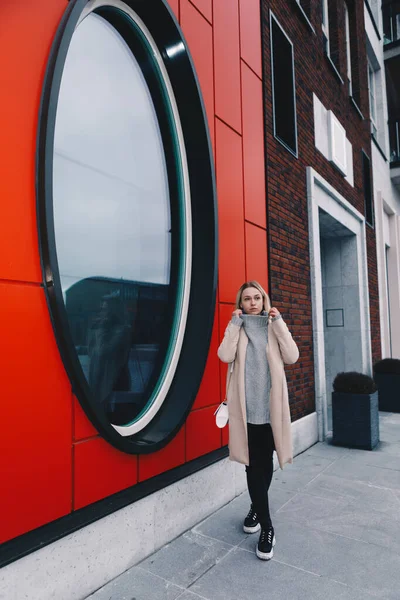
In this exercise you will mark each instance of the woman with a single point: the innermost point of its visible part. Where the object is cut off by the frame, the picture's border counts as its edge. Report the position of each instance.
(257, 343)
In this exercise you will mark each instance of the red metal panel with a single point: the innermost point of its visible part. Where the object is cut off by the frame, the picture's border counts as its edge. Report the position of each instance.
(250, 34)
(198, 33)
(36, 413)
(230, 211)
(168, 458)
(253, 148)
(227, 62)
(202, 434)
(174, 4)
(256, 254)
(205, 7)
(26, 33)
(209, 388)
(83, 428)
(100, 470)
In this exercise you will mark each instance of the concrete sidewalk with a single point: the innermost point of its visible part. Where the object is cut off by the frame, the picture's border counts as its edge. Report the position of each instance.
(336, 514)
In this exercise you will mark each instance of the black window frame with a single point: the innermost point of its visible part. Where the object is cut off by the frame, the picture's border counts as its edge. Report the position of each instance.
(367, 189)
(285, 143)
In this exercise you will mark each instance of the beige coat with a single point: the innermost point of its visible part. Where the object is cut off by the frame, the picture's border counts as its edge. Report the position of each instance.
(280, 349)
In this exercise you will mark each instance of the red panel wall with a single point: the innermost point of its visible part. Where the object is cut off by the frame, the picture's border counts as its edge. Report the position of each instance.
(227, 62)
(253, 148)
(36, 411)
(199, 35)
(51, 454)
(36, 399)
(205, 7)
(229, 170)
(100, 470)
(250, 37)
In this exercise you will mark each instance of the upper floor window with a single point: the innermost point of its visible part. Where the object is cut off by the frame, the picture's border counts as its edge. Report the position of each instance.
(391, 21)
(372, 98)
(368, 197)
(392, 72)
(330, 34)
(325, 24)
(283, 87)
(348, 46)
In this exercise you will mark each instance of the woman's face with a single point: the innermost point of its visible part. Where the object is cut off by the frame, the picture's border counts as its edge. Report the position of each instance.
(252, 301)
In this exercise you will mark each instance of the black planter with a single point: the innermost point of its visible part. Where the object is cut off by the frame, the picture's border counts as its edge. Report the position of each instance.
(355, 420)
(389, 391)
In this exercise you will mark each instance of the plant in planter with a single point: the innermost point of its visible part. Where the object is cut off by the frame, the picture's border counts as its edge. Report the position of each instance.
(387, 378)
(355, 413)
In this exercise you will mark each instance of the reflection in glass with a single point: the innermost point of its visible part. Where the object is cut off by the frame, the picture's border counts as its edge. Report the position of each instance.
(391, 21)
(112, 220)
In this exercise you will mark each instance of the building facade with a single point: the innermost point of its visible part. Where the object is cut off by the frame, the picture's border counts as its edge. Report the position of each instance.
(322, 236)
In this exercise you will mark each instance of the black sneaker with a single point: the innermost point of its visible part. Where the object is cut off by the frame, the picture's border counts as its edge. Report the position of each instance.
(251, 523)
(266, 543)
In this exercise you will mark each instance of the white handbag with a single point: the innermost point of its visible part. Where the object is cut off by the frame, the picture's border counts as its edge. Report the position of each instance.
(222, 412)
(221, 415)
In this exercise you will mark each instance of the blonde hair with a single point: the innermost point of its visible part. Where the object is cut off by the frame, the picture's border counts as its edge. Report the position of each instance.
(253, 284)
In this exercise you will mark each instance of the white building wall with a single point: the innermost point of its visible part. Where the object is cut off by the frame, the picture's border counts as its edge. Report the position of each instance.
(386, 201)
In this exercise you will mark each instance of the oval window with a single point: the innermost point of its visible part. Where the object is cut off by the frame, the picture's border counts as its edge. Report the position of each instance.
(117, 254)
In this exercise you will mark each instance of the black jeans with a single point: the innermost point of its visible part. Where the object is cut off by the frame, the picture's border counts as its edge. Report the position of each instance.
(260, 470)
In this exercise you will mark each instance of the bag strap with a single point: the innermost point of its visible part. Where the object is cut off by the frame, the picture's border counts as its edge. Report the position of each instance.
(230, 369)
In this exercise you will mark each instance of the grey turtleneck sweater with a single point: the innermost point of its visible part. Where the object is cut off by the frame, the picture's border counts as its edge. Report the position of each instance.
(256, 372)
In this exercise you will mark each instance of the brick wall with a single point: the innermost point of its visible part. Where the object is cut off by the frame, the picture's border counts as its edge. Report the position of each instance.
(289, 260)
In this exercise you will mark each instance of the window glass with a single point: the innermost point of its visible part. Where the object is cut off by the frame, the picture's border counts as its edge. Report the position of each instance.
(372, 99)
(391, 21)
(369, 211)
(348, 46)
(284, 102)
(392, 73)
(325, 17)
(114, 230)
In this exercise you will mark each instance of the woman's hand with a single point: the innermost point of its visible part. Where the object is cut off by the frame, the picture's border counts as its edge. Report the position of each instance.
(274, 312)
(237, 312)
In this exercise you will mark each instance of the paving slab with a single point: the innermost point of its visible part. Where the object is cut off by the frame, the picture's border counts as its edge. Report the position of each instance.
(188, 595)
(186, 558)
(354, 563)
(351, 467)
(389, 431)
(226, 524)
(364, 494)
(325, 450)
(137, 584)
(344, 516)
(376, 458)
(242, 576)
(390, 448)
(302, 471)
(389, 417)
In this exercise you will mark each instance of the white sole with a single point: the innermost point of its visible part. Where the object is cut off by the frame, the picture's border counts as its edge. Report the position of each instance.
(252, 529)
(266, 555)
